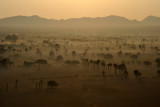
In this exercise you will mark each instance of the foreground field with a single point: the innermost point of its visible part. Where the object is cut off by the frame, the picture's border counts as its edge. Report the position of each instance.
(86, 89)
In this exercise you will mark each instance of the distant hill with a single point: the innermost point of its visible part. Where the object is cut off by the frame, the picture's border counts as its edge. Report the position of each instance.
(151, 20)
(112, 20)
(25, 21)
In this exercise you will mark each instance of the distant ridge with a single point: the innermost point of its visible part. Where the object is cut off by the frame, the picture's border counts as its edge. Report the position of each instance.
(25, 20)
(75, 22)
(152, 20)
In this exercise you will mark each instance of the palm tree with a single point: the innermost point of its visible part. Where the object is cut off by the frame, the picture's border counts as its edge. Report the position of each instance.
(41, 62)
(126, 74)
(16, 85)
(109, 65)
(115, 68)
(158, 72)
(97, 62)
(103, 65)
(103, 74)
(92, 64)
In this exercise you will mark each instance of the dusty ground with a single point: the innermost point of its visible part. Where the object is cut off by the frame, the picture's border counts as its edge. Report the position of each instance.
(88, 89)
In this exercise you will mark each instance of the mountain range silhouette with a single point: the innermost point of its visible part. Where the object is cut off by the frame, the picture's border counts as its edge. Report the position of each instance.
(84, 21)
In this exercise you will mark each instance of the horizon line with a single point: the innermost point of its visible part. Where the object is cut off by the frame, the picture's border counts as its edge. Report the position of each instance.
(78, 17)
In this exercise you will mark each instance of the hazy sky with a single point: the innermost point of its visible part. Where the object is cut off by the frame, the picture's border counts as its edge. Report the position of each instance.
(57, 9)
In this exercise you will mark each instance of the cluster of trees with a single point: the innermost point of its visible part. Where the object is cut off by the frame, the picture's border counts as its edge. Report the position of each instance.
(2, 49)
(12, 38)
(4, 62)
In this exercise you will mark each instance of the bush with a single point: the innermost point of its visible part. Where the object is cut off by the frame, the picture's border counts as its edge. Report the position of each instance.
(52, 84)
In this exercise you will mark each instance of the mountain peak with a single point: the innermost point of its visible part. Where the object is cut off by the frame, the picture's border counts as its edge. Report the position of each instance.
(152, 18)
(35, 16)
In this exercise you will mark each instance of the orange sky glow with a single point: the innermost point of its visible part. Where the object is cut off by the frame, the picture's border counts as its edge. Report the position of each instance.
(64, 9)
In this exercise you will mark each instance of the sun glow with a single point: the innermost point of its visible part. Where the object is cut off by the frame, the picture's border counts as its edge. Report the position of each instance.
(80, 8)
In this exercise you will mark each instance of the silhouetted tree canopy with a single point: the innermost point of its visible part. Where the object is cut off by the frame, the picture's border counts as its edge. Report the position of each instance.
(137, 73)
(2, 50)
(52, 83)
(158, 72)
(5, 62)
(157, 60)
(12, 38)
(41, 62)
